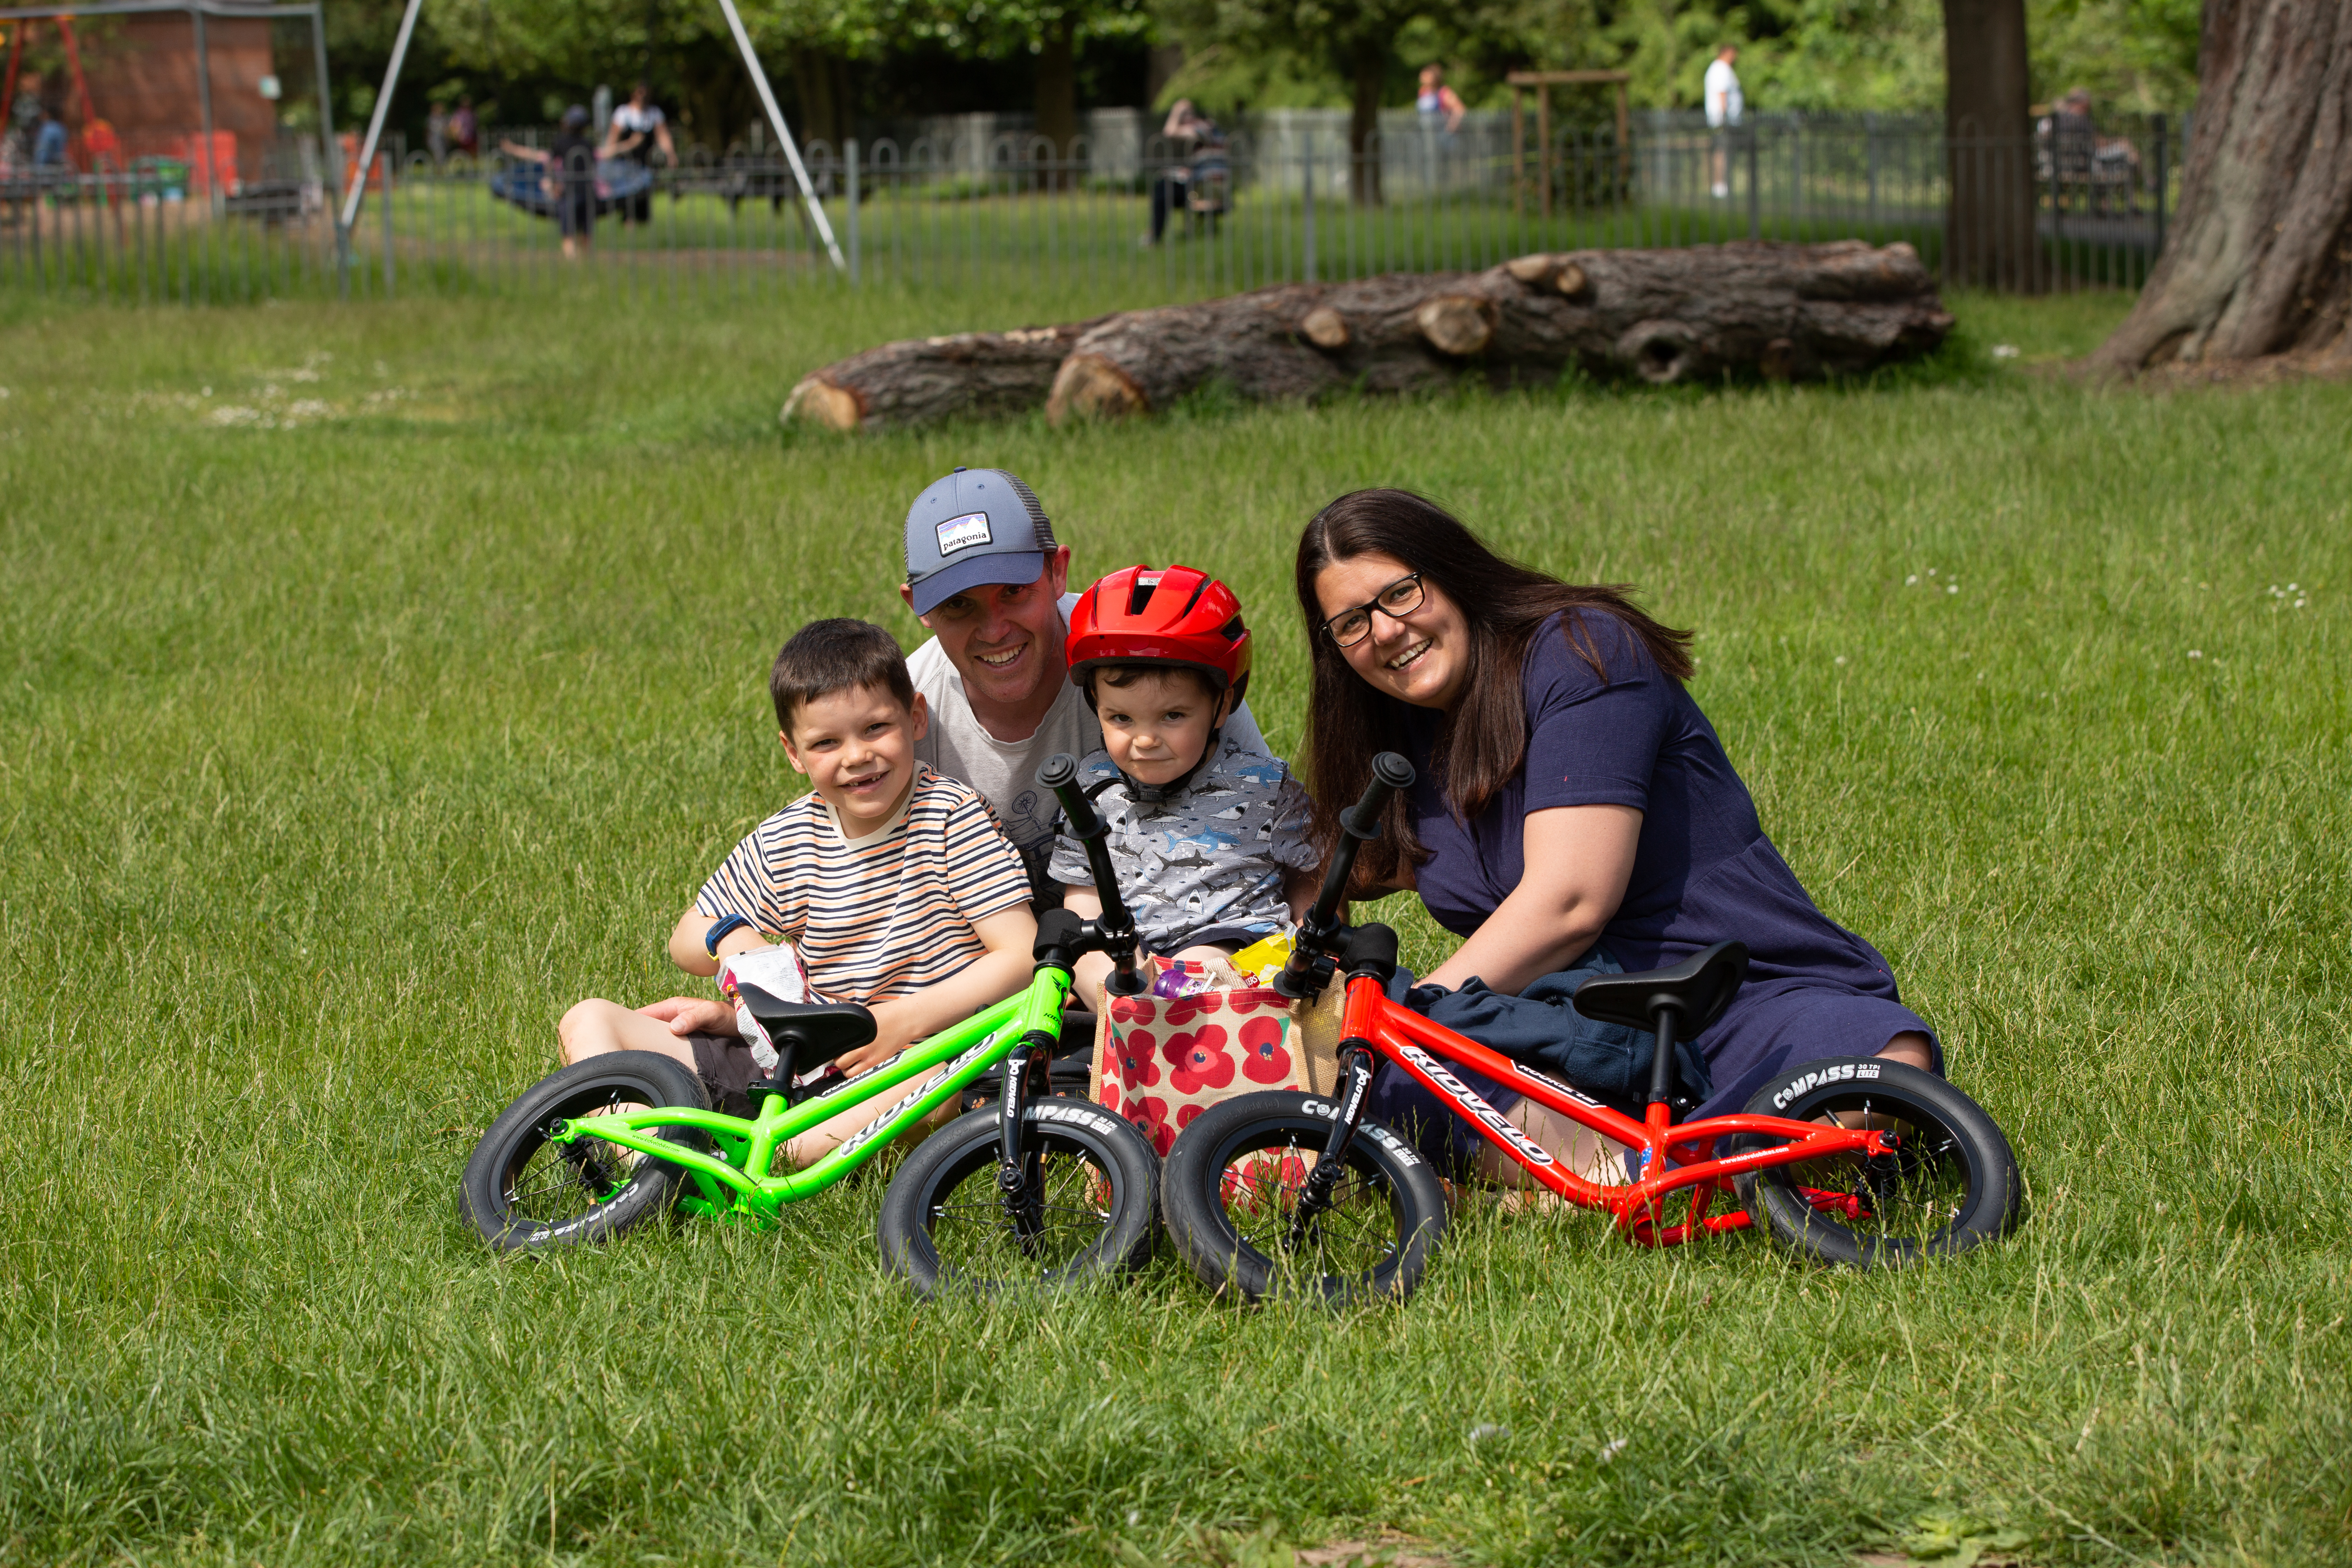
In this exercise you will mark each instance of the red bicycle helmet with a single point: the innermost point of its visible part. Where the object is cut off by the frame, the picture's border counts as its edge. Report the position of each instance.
(1176, 615)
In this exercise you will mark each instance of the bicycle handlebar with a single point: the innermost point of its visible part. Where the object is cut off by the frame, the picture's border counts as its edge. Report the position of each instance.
(1320, 932)
(1060, 775)
(1358, 824)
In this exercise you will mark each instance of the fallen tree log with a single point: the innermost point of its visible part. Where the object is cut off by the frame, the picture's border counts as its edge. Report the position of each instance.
(920, 380)
(1785, 312)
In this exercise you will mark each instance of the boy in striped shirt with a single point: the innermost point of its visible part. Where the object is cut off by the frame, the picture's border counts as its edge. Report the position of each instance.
(895, 884)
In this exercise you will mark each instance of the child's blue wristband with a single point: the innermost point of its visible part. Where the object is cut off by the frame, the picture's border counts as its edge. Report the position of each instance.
(719, 930)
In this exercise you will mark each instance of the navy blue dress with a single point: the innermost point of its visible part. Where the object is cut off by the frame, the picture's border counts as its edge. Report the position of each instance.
(1702, 872)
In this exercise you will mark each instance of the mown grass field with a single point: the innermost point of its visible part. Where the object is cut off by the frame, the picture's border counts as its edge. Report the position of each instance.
(376, 682)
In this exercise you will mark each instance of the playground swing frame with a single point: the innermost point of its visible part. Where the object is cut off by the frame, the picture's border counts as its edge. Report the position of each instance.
(352, 199)
(196, 11)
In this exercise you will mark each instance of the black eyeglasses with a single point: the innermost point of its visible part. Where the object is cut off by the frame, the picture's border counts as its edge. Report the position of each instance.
(1398, 600)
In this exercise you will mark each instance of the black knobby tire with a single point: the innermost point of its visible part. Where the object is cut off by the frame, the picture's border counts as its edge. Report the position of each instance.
(945, 1226)
(1950, 1184)
(526, 1195)
(1375, 1241)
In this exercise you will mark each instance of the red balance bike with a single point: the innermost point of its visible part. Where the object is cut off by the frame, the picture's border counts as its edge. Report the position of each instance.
(1854, 1160)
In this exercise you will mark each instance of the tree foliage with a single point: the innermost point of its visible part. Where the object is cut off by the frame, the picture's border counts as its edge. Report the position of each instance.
(1815, 54)
(529, 57)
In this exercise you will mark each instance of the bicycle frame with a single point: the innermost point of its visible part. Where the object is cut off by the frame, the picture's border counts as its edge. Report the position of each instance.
(724, 1186)
(735, 1183)
(1373, 1023)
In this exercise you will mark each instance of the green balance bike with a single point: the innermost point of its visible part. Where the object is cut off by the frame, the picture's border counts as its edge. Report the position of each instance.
(1032, 1188)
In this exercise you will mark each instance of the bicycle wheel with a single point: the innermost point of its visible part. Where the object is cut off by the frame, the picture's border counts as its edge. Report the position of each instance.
(1232, 1182)
(1950, 1183)
(527, 1194)
(1093, 1193)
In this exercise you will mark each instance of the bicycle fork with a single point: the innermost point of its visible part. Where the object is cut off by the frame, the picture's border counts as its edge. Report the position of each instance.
(1020, 1181)
(1315, 1196)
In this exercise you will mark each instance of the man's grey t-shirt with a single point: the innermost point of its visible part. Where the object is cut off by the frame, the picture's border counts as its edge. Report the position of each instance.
(1005, 772)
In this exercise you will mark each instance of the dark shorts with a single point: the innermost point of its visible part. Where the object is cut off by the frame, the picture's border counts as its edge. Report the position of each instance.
(724, 1064)
(575, 212)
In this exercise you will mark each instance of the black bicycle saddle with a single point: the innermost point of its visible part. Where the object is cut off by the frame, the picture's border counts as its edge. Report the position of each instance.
(823, 1030)
(1698, 989)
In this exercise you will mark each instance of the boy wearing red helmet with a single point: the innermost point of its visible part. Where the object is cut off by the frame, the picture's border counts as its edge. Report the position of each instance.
(1207, 832)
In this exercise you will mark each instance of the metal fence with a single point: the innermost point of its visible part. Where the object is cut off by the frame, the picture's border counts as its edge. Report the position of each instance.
(2053, 210)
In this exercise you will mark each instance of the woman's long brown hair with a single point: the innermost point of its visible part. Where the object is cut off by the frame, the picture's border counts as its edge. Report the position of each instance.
(1483, 739)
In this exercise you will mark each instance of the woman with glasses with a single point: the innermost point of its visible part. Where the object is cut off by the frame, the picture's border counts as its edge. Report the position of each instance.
(1574, 814)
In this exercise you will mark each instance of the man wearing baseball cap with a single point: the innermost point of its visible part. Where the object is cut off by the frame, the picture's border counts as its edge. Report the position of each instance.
(986, 575)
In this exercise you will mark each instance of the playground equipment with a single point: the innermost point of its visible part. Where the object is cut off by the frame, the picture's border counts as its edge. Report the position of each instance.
(351, 210)
(210, 154)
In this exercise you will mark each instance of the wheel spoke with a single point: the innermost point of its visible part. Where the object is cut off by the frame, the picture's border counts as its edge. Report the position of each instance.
(977, 1238)
(1353, 1235)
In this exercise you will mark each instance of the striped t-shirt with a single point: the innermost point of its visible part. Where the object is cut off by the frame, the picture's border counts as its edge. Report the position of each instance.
(882, 915)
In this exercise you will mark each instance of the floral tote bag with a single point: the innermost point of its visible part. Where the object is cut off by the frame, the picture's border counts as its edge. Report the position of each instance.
(1160, 1061)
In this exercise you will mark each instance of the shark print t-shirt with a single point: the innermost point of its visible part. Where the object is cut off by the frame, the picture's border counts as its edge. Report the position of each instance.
(1209, 864)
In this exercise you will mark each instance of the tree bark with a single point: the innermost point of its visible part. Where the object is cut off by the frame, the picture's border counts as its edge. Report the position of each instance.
(1989, 240)
(923, 379)
(1786, 311)
(1057, 84)
(2259, 259)
(1368, 71)
(814, 80)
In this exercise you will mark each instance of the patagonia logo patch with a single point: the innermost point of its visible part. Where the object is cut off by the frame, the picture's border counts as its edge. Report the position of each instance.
(963, 532)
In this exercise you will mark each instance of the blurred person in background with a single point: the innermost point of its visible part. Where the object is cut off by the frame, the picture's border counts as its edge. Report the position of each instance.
(639, 127)
(49, 141)
(1440, 106)
(466, 130)
(1441, 111)
(568, 167)
(24, 124)
(1189, 133)
(1724, 107)
(436, 132)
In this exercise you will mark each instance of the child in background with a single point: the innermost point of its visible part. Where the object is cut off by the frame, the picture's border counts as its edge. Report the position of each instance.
(1207, 835)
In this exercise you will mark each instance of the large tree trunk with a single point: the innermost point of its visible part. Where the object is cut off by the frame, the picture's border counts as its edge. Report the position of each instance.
(1988, 238)
(1661, 316)
(1057, 84)
(824, 114)
(2259, 260)
(1367, 72)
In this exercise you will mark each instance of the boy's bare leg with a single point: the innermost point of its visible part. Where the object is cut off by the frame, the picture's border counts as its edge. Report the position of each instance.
(596, 1026)
(830, 1134)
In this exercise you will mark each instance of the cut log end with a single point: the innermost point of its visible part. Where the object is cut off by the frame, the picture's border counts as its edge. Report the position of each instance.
(1454, 324)
(1538, 269)
(1325, 328)
(1090, 387)
(818, 402)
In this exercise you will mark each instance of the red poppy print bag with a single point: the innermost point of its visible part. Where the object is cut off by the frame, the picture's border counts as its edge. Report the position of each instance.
(1160, 1061)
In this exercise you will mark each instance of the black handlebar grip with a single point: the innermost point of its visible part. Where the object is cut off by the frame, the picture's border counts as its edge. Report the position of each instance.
(1372, 950)
(1060, 776)
(1391, 772)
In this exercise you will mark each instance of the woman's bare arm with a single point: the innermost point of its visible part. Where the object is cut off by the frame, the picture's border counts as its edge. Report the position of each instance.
(1579, 859)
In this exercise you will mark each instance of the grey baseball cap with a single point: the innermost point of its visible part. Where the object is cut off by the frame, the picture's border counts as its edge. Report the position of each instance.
(975, 527)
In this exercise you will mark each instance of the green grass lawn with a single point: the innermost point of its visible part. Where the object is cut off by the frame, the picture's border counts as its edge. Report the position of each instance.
(377, 681)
